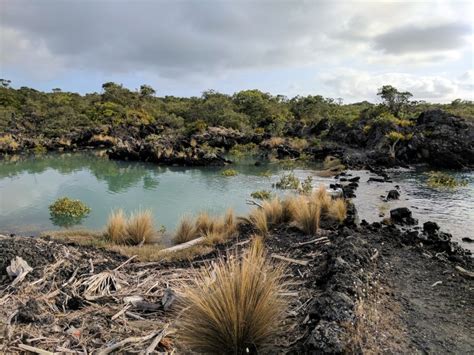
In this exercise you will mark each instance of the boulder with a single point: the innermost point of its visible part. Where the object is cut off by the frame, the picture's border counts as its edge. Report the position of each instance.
(430, 228)
(393, 195)
(402, 216)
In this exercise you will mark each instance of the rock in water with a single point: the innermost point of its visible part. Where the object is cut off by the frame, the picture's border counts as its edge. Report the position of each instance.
(402, 216)
(393, 195)
(430, 228)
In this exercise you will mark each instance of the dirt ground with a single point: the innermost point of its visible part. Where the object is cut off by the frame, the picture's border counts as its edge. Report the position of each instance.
(354, 289)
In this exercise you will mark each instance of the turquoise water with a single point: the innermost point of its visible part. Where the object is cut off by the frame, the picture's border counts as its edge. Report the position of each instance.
(29, 185)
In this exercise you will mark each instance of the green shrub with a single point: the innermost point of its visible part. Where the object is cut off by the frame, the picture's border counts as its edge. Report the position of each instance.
(261, 194)
(67, 207)
(288, 182)
(438, 179)
(229, 172)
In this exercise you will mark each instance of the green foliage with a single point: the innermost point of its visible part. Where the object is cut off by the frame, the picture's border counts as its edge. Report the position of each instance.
(242, 150)
(307, 185)
(229, 172)
(395, 100)
(262, 195)
(67, 207)
(438, 179)
(288, 182)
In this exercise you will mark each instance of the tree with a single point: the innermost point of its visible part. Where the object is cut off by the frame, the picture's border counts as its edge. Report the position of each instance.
(56, 90)
(395, 100)
(146, 91)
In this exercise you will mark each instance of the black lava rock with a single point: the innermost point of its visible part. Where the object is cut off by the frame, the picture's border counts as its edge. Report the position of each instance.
(393, 195)
(430, 228)
(402, 216)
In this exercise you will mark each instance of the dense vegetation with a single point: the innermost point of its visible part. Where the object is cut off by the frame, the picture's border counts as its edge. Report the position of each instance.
(53, 113)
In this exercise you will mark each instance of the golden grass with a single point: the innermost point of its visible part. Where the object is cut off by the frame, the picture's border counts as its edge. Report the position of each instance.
(258, 218)
(230, 223)
(116, 228)
(321, 195)
(140, 229)
(236, 307)
(146, 252)
(185, 231)
(204, 223)
(338, 210)
(307, 215)
(273, 210)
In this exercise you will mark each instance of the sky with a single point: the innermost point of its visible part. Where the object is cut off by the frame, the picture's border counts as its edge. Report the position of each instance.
(339, 49)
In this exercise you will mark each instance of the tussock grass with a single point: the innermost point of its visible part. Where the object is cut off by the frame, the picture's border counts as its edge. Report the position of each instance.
(235, 307)
(204, 223)
(321, 195)
(273, 210)
(307, 215)
(338, 210)
(134, 230)
(305, 212)
(140, 229)
(215, 229)
(258, 218)
(185, 231)
(146, 252)
(116, 228)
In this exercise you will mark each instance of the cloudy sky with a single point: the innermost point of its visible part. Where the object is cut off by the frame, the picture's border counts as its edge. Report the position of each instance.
(341, 49)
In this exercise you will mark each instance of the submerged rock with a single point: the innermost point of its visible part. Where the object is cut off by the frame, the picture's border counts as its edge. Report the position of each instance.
(393, 195)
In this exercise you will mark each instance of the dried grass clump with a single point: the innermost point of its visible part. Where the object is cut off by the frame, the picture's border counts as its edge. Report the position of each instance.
(137, 229)
(185, 231)
(307, 214)
(338, 210)
(140, 228)
(321, 195)
(273, 210)
(258, 218)
(116, 228)
(214, 229)
(236, 307)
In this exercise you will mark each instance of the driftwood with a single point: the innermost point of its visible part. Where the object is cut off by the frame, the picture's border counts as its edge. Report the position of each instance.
(465, 272)
(316, 241)
(125, 342)
(253, 203)
(290, 260)
(183, 246)
(155, 341)
(34, 350)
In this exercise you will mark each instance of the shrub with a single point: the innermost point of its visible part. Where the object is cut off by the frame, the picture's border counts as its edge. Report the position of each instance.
(8, 143)
(185, 231)
(66, 207)
(307, 185)
(273, 142)
(438, 179)
(116, 229)
(236, 307)
(298, 143)
(140, 228)
(241, 150)
(261, 195)
(322, 196)
(288, 182)
(229, 172)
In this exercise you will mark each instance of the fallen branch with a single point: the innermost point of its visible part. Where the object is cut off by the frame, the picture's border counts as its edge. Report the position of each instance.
(183, 246)
(290, 260)
(465, 272)
(253, 203)
(155, 341)
(125, 263)
(35, 350)
(317, 241)
(125, 342)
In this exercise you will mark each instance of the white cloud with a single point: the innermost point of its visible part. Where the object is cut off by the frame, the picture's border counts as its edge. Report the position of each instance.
(360, 85)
